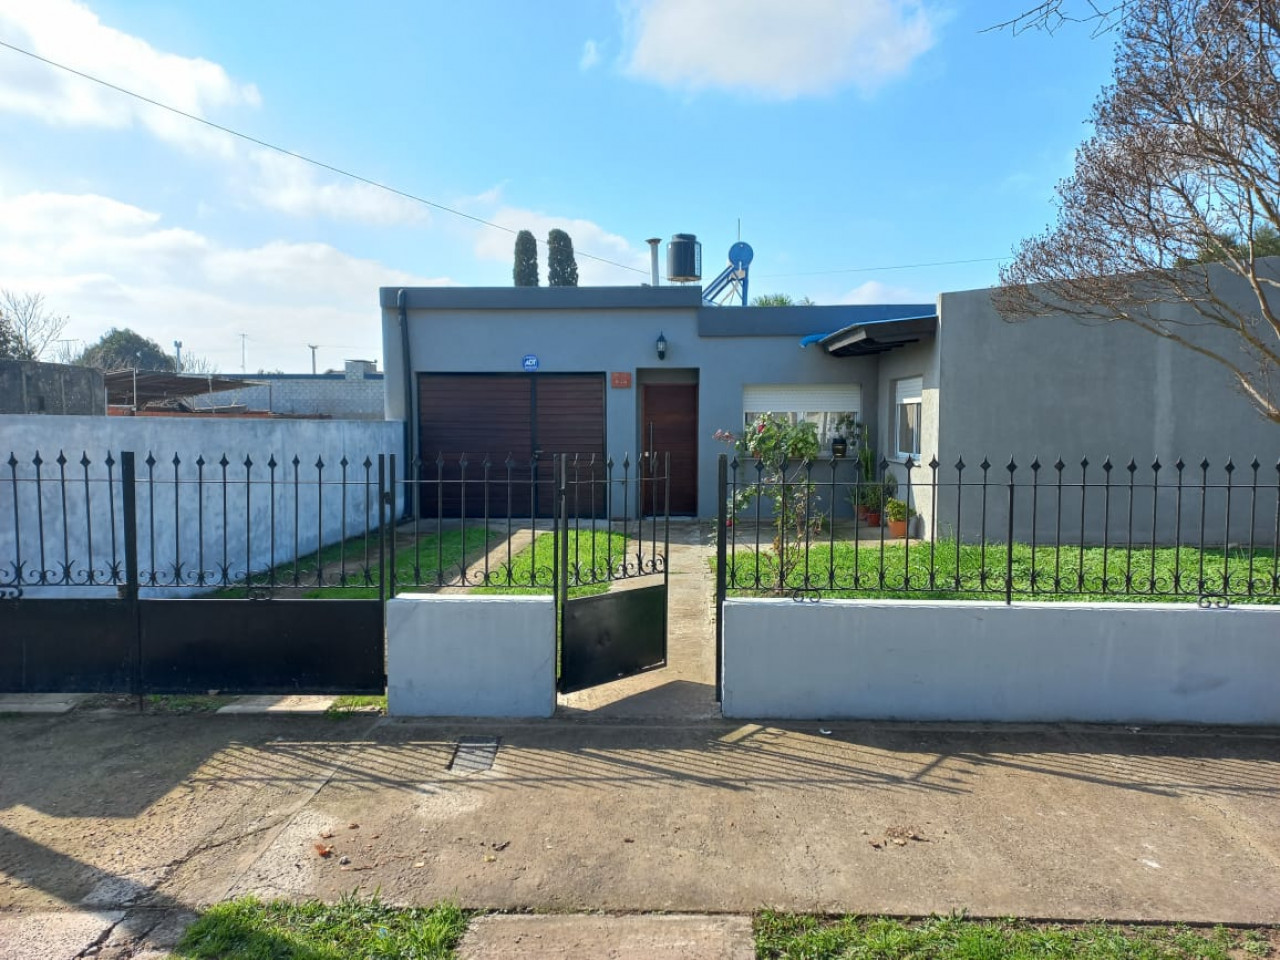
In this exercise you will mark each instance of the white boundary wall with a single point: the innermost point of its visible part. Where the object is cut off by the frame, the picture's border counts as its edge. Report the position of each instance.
(471, 656)
(320, 509)
(922, 660)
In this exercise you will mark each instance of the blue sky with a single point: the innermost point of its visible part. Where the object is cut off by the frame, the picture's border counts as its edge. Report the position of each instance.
(846, 135)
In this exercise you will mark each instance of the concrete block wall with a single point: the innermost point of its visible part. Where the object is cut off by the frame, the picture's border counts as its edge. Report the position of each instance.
(1034, 662)
(171, 528)
(329, 396)
(472, 656)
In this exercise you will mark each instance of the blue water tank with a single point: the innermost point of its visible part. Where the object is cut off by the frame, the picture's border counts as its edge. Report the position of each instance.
(684, 258)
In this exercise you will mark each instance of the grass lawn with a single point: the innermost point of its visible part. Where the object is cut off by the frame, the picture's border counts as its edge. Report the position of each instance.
(414, 566)
(591, 555)
(794, 937)
(350, 704)
(947, 571)
(248, 929)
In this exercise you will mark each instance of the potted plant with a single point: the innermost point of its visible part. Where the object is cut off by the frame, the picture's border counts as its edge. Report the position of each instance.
(873, 497)
(845, 427)
(899, 514)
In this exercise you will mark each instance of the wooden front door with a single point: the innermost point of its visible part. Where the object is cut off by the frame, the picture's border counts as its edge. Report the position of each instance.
(669, 425)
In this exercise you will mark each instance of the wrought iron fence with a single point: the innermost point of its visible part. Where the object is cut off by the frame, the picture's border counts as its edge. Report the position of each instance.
(190, 525)
(519, 524)
(1088, 530)
(248, 526)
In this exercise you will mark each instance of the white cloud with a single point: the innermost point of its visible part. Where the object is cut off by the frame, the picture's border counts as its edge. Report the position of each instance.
(495, 245)
(106, 263)
(873, 291)
(294, 187)
(777, 50)
(69, 32)
(590, 55)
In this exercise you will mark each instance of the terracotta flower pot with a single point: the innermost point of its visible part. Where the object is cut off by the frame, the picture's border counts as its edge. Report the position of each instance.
(897, 528)
(873, 518)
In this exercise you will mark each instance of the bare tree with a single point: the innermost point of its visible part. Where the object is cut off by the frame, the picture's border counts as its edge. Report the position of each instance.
(1175, 200)
(31, 324)
(194, 363)
(1051, 15)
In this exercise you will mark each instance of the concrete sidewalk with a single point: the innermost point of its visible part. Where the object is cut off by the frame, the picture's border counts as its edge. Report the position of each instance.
(133, 819)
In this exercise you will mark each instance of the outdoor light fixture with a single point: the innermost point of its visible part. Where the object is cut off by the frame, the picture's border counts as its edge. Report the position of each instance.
(662, 347)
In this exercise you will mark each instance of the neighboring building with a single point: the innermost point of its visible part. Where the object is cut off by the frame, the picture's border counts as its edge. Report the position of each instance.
(27, 386)
(355, 393)
(507, 371)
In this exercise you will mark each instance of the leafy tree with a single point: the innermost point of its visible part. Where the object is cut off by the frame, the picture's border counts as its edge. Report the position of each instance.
(125, 350)
(8, 340)
(780, 300)
(1183, 166)
(562, 268)
(526, 266)
(30, 326)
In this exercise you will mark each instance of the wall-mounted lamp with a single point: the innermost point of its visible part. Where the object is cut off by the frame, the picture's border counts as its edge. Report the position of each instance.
(662, 347)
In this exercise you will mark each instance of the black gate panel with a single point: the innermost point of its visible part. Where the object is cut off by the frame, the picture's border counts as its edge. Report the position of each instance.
(612, 635)
(67, 646)
(262, 646)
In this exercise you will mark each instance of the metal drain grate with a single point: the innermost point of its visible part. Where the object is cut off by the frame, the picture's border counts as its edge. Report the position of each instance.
(474, 754)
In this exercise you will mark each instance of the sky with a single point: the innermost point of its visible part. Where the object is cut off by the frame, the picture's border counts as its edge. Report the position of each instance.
(850, 141)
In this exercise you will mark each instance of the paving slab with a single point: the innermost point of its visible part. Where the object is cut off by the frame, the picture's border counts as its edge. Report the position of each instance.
(40, 702)
(300, 705)
(53, 935)
(597, 937)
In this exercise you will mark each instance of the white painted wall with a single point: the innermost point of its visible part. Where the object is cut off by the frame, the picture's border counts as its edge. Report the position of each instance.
(164, 540)
(919, 660)
(472, 656)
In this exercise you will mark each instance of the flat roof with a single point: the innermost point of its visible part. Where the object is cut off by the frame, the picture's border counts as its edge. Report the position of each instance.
(713, 321)
(688, 296)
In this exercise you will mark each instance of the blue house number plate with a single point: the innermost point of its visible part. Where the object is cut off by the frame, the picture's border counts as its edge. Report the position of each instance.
(529, 362)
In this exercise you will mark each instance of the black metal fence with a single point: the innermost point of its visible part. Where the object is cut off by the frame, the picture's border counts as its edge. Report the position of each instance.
(126, 575)
(190, 526)
(483, 524)
(227, 526)
(1089, 530)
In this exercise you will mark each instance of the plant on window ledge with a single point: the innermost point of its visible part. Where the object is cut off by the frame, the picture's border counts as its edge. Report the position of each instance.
(783, 450)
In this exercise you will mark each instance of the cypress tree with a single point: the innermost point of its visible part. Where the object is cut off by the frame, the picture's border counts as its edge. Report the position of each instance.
(562, 268)
(526, 266)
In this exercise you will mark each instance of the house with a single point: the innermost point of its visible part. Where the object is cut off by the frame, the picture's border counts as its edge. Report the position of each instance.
(624, 370)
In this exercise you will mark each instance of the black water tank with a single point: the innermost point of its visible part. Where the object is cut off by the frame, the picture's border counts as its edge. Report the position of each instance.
(684, 258)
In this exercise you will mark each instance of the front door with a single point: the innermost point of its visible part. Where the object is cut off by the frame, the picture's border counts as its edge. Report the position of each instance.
(669, 419)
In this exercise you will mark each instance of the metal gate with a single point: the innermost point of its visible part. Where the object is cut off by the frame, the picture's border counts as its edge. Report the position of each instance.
(217, 581)
(623, 631)
(196, 575)
(602, 553)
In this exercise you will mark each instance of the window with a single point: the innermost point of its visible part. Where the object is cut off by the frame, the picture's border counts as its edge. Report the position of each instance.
(906, 415)
(832, 407)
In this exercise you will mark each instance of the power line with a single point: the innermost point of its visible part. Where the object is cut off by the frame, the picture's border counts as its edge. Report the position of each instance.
(899, 266)
(299, 156)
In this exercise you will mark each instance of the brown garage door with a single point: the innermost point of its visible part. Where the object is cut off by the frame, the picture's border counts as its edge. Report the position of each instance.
(503, 418)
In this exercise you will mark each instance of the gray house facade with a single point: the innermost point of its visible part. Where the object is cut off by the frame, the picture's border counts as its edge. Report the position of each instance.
(468, 367)
(614, 371)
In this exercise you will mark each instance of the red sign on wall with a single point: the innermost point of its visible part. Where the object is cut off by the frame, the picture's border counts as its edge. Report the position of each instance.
(620, 380)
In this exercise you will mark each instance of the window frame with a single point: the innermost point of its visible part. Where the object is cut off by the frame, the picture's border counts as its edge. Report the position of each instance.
(908, 392)
(799, 407)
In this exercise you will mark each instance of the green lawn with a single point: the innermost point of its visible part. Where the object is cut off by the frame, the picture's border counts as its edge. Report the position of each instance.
(416, 565)
(248, 929)
(793, 937)
(592, 553)
(947, 571)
